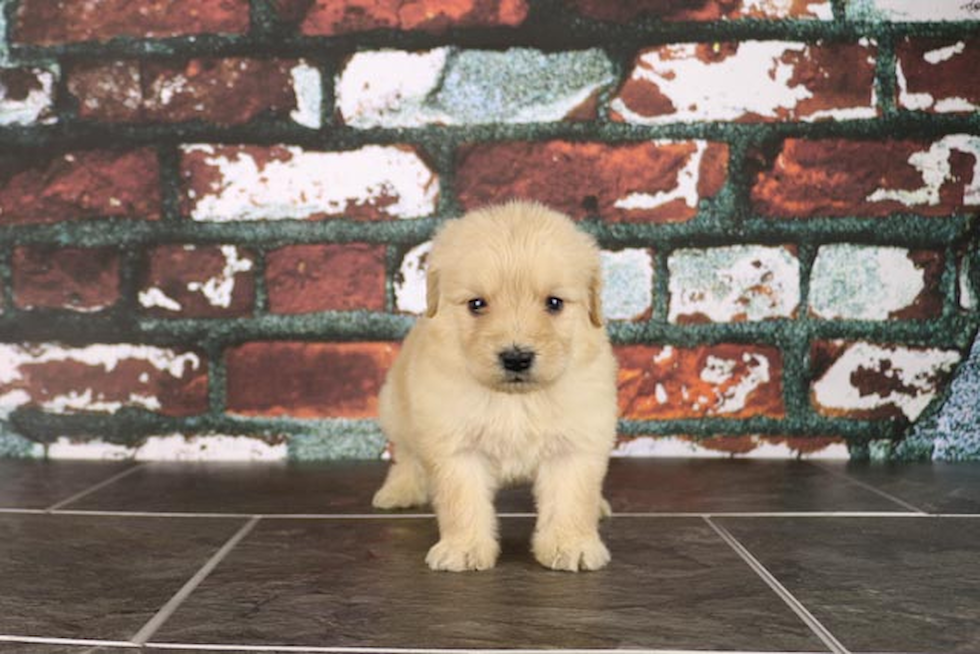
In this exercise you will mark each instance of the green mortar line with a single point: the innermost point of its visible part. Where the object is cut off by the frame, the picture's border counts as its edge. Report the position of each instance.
(132, 263)
(6, 280)
(393, 258)
(840, 11)
(39, 326)
(260, 296)
(72, 133)
(169, 162)
(130, 427)
(661, 286)
(885, 74)
(949, 283)
(707, 229)
(550, 30)
(217, 379)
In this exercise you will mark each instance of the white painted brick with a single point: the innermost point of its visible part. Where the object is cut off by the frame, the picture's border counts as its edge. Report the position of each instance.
(755, 82)
(913, 10)
(856, 282)
(36, 106)
(300, 184)
(912, 375)
(726, 284)
(627, 292)
(446, 86)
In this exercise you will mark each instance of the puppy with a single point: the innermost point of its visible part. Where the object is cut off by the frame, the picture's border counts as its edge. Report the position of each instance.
(507, 378)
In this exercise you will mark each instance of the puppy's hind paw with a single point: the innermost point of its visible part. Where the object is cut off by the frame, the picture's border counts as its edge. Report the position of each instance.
(399, 496)
(584, 553)
(454, 557)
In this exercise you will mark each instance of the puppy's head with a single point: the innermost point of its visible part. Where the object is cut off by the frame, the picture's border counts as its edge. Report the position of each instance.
(517, 289)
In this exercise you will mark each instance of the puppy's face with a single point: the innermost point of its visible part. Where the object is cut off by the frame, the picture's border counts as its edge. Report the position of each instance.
(517, 286)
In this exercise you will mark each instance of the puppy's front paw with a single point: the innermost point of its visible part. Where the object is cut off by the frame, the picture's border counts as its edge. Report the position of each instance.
(570, 553)
(456, 557)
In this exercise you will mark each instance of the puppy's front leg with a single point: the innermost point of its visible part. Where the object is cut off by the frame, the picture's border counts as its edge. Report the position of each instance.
(462, 493)
(568, 491)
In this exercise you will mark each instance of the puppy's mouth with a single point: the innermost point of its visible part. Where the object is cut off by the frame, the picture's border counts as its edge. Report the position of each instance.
(517, 382)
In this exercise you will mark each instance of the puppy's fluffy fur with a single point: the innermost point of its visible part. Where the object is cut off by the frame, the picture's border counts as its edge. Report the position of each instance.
(509, 377)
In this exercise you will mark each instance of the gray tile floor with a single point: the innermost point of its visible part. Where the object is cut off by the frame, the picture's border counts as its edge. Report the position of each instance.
(708, 555)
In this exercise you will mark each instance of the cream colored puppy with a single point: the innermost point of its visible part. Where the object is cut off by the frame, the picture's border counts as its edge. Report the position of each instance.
(507, 378)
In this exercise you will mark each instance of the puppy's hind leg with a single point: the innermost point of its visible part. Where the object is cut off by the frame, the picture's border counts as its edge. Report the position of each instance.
(405, 486)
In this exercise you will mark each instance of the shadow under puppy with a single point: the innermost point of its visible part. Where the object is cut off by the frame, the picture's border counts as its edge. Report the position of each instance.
(507, 378)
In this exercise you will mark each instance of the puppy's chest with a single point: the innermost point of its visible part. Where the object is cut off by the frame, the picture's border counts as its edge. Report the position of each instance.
(515, 435)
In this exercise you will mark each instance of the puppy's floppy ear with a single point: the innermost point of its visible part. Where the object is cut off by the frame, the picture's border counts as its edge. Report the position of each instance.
(595, 299)
(431, 292)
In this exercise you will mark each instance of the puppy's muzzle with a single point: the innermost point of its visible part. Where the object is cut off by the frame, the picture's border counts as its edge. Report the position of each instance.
(516, 359)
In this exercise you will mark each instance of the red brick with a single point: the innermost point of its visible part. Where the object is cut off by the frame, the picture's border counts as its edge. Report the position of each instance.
(104, 378)
(338, 277)
(727, 380)
(696, 10)
(331, 17)
(753, 81)
(587, 178)
(225, 91)
(79, 279)
(939, 75)
(47, 22)
(307, 380)
(79, 185)
(198, 281)
(835, 177)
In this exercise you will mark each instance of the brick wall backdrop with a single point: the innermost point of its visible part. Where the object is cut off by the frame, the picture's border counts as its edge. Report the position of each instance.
(214, 216)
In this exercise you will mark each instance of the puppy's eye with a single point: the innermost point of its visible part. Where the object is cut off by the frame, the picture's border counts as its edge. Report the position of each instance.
(477, 305)
(554, 304)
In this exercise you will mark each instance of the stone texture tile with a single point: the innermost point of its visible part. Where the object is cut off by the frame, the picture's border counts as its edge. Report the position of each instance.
(446, 86)
(97, 577)
(879, 585)
(931, 486)
(245, 488)
(364, 583)
(33, 484)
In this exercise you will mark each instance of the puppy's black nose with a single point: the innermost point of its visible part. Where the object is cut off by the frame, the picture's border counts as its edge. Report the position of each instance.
(516, 359)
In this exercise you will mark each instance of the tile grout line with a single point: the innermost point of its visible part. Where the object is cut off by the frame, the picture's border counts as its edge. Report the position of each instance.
(507, 515)
(808, 618)
(168, 609)
(868, 487)
(92, 489)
